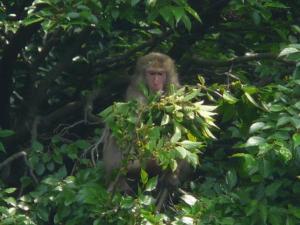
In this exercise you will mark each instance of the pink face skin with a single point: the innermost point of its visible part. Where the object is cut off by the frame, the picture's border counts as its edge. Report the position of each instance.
(156, 78)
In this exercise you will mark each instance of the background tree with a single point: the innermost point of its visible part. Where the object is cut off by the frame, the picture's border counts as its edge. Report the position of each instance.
(61, 62)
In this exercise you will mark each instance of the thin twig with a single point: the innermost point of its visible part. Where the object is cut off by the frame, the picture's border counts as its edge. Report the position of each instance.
(12, 158)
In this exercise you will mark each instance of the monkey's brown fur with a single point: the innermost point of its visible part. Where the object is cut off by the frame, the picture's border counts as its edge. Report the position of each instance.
(153, 59)
(112, 155)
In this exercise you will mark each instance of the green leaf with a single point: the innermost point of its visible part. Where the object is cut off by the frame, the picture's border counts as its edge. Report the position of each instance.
(134, 2)
(296, 122)
(283, 121)
(295, 211)
(256, 127)
(287, 51)
(276, 108)
(192, 94)
(73, 15)
(178, 12)
(177, 135)
(250, 165)
(229, 98)
(40, 168)
(181, 151)
(32, 20)
(272, 189)
(151, 184)
(191, 144)
(2, 148)
(250, 89)
(193, 13)
(144, 176)
(167, 14)
(231, 178)
(151, 2)
(189, 199)
(255, 141)
(82, 144)
(37, 146)
(249, 97)
(296, 139)
(263, 211)
(126, 203)
(11, 201)
(106, 112)
(51, 166)
(227, 221)
(256, 17)
(274, 4)
(187, 22)
(146, 200)
(6, 133)
(10, 190)
(193, 159)
(297, 105)
(165, 120)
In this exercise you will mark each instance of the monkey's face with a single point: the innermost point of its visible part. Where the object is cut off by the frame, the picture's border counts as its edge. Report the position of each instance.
(155, 78)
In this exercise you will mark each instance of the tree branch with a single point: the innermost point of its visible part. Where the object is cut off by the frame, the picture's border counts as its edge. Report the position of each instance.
(7, 63)
(239, 60)
(119, 58)
(12, 158)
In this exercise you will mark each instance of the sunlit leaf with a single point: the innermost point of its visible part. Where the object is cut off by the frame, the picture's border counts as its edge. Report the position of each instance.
(288, 51)
(189, 199)
(256, 127)
(165, 120)
(10, 190)
(177, 135)
(181, 151)
(191, 144)
(229, 98)
(251, 99)
(255, 141)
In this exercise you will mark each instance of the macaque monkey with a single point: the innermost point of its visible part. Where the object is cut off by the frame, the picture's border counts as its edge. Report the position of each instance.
(157, 72)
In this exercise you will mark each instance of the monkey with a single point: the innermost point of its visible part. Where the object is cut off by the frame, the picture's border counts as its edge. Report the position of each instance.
(157, 72)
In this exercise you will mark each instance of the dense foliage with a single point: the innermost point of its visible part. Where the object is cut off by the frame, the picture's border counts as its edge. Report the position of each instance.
(237, 121)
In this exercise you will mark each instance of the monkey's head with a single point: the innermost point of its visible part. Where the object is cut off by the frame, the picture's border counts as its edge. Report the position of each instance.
(156, 71)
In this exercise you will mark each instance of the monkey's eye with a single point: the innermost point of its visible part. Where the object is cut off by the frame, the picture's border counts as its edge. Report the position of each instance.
(155, 72)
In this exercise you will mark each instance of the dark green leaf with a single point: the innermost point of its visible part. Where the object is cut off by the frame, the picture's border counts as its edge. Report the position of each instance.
(2, 148)
(6, 133)
(231, 178)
